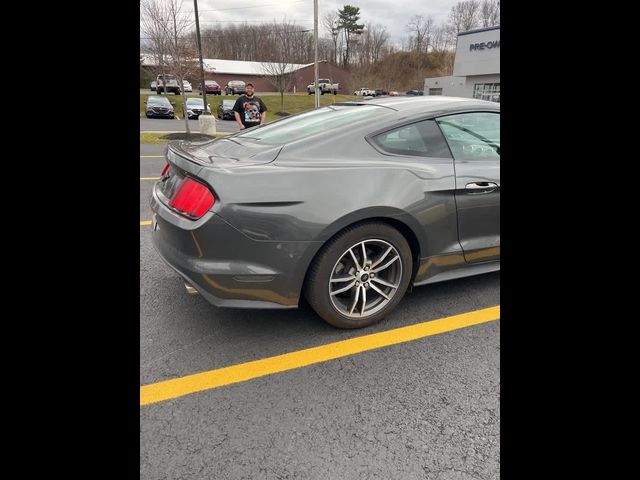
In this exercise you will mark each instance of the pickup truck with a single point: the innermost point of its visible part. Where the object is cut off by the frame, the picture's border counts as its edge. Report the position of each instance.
(167, 83)
(325, 87)
(366, 92)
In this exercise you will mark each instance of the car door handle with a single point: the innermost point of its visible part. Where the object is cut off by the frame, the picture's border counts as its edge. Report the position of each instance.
(480, 187)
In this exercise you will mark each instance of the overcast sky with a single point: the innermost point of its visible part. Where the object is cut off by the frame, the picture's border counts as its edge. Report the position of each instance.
(393, 15)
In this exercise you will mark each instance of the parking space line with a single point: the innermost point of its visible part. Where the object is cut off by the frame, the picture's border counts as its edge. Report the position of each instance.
(149, 178)
(145, 222)
(179, 387)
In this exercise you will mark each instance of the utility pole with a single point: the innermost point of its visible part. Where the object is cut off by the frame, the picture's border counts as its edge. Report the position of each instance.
(315, 48)
(204, 90)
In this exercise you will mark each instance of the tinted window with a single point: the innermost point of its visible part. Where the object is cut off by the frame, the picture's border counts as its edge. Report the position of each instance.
(472, 136)
(422, 139)
(335, 117)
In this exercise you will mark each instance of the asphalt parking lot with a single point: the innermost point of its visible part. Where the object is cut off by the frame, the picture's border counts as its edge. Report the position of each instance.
(420, 409)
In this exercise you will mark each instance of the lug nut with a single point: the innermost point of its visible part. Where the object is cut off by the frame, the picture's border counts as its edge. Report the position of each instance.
(373, 275)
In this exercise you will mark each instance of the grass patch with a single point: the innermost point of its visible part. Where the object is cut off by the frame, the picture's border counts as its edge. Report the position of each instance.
(293, 102)
(153, 137)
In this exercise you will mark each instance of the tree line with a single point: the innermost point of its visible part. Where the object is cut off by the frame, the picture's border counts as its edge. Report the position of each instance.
(364, 49)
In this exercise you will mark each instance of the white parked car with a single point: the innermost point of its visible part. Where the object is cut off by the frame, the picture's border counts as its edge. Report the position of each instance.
(187, 86)
(365, 92)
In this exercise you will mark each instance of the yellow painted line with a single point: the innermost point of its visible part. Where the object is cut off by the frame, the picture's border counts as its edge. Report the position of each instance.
(178, 387)
(151, 156)
(149, 178)
(145, 222)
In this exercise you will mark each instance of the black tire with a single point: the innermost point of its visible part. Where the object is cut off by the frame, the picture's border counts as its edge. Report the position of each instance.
(317, 285)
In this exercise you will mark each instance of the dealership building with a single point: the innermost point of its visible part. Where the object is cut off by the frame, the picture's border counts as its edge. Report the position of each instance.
(476, 69)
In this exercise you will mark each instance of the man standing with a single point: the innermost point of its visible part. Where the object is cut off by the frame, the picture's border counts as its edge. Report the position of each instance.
(249, 110)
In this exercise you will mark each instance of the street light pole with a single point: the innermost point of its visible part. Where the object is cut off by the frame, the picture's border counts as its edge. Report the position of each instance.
(202, 86)
(315, 54)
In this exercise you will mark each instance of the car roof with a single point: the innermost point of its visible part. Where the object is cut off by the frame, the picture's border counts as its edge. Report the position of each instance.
(427, 104)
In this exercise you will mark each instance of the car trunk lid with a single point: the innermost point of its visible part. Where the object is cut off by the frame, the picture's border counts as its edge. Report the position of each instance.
(226, 152)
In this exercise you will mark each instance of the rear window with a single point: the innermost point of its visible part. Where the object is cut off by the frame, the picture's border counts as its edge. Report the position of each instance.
(420, 139)
(297, 127)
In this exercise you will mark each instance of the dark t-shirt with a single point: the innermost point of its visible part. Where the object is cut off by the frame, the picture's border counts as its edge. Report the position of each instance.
(249, 110)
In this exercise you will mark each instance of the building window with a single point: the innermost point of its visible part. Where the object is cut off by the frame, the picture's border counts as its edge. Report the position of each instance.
(487, 91)
(435, 91)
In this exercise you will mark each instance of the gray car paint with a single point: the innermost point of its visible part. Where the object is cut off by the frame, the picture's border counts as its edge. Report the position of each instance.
(277, 205)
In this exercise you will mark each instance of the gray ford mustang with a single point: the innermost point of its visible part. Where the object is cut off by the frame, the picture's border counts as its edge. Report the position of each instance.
(346, 205)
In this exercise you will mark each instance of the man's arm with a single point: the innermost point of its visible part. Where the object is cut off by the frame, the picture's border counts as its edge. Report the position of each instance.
(238, 121)
(263, 112)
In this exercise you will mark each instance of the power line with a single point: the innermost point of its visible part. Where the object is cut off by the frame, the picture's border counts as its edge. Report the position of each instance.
(248, 21)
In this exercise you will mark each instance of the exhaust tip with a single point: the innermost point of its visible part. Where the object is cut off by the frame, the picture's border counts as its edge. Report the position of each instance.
(190, 289)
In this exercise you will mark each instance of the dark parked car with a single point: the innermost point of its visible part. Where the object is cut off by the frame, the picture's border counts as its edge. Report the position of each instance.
(195, 106)
(346, 205)
(380, 91)
(415, 93)
(211, 86)
(225, 109)
(157, 106)
(235, 87)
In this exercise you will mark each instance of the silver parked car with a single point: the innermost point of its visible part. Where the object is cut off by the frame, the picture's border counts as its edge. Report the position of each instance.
(195, 107)
(346, 205)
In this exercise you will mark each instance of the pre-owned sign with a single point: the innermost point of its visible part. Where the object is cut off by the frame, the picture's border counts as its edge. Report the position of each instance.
(483, 45)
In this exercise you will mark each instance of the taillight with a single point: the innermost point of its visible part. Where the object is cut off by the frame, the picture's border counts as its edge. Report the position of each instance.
(164, 170)
(192, 198)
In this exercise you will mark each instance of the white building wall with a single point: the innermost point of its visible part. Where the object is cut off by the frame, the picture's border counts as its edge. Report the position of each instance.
(477, 61)
(478, 53)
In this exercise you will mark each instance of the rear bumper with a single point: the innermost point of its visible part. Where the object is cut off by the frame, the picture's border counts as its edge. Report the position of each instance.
(225, 266)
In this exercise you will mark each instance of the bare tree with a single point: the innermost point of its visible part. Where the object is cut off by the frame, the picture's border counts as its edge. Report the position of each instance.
(420, 28)
(379, 38)
(152, 25)
(278, 70)
(490, 13)
(464, 16)
(440, 39)
(172, 26)
(330, 22)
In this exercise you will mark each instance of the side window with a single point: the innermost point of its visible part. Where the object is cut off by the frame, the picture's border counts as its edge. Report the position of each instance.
(472, 136)
(422, 139)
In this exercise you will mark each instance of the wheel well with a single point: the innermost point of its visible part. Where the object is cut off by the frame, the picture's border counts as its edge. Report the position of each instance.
(402, 227)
